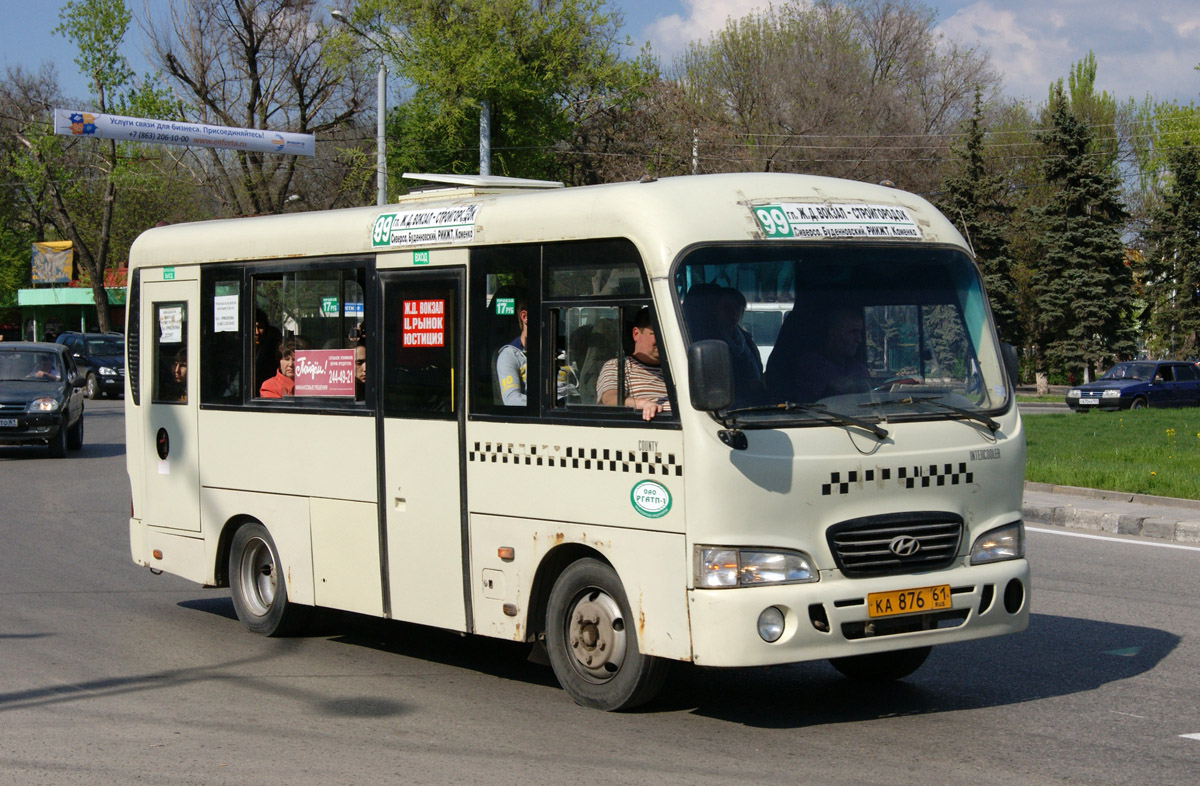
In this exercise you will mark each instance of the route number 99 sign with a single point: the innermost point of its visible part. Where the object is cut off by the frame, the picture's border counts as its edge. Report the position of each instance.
(773, 221)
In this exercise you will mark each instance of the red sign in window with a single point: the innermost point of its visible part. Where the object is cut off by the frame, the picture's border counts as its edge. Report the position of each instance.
(325, 372)
(424, 323)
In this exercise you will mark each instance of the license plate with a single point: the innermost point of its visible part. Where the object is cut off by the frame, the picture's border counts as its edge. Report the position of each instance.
(909, 601)
(1089, 402)
(8, 422)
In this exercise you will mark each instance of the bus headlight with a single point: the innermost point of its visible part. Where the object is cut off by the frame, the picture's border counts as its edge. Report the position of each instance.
(997, 545)
(726, 567)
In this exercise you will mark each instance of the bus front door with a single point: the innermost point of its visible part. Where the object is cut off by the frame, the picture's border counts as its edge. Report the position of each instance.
(423, 409)
(169, 399)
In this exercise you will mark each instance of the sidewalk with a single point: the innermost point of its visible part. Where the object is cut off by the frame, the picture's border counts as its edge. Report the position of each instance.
(1114, 512)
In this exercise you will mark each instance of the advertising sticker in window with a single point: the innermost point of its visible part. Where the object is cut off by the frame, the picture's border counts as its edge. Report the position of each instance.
(325, 372)
(424, 323)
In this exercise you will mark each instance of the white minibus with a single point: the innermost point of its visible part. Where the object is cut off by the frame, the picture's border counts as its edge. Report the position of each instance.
(511, 409)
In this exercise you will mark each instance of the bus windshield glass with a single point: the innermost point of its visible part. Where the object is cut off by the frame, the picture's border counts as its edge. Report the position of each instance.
(818, 333)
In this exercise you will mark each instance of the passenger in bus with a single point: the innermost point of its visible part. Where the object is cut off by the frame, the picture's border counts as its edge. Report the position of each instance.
(360, 370)
(645, 386)
(284, 381)
(511, 363)
(179, 369)
(832, 368)
(266, 343)
(715, 312)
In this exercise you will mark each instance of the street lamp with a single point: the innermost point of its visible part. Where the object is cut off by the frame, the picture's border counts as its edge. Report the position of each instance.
(380, 110)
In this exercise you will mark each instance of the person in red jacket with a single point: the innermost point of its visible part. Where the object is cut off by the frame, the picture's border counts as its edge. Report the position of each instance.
(284, 381)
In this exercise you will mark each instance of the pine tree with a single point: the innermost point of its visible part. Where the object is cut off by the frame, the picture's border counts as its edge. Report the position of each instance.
(1082, 283)
(1173, 258)
(976, 200)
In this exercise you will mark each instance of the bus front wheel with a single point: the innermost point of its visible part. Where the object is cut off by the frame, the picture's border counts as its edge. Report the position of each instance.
(882, 666)
(592, 649)
(258, 587)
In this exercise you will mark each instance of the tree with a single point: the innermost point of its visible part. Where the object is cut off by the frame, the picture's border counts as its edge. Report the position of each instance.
(1083, 284)
(862, 90)
(97, 28)
(548, 69)
(1172, 272)
(261, 64)
(977, 199)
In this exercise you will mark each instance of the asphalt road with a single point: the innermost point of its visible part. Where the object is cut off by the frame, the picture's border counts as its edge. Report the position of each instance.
(110, 675)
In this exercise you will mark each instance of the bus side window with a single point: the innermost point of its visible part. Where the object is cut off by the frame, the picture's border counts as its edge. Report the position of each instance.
(221, 340)
(588, 338)
(170, 353)
(504, 328)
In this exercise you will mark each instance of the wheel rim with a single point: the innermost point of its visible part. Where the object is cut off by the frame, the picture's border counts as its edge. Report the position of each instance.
(257, 576)
(596, 637)
(93, 387)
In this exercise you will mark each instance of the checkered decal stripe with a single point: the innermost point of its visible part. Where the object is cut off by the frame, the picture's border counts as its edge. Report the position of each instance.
(923, 477)
(598, 459)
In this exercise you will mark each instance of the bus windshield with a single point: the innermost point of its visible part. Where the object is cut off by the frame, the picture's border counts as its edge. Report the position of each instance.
(875, 332)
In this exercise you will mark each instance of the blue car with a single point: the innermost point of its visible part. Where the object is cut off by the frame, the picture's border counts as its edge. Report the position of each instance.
(1138, 384)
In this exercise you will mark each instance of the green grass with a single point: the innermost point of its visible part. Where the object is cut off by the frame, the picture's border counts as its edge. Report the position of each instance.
(1056, 398)
(1148, 451)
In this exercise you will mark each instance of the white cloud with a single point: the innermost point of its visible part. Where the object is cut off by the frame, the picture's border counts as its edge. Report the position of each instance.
(1140, 48)
(671, 34)
(1145, 46)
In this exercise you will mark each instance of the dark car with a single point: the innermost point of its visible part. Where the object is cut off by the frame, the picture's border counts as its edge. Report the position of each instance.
(41, 396)
(1140, 383)
(101, 359)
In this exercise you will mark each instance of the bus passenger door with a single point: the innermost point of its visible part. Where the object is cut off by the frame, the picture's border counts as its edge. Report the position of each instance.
(169, 399)
(423, 409)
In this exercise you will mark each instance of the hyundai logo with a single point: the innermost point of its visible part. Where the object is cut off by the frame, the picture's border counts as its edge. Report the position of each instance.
(904, 546)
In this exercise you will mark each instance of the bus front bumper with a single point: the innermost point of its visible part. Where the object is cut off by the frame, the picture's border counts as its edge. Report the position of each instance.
(830, 618)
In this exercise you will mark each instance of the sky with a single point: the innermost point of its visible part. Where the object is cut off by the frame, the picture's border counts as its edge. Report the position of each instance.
(1147, 47)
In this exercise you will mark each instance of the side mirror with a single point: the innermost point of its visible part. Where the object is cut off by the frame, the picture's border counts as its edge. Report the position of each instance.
(78, 380)
(1009, 354)
(710, 375)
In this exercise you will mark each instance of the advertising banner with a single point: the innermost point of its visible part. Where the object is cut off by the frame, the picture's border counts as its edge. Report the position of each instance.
(325, 372)
(68, 122)
(53, 262)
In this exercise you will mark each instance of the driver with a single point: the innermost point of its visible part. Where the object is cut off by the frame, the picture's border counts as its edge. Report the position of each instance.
(832, 368)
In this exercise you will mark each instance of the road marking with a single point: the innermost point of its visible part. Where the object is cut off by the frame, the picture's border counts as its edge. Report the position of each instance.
(1190, 736)
(1111, 540)
(1128, 652)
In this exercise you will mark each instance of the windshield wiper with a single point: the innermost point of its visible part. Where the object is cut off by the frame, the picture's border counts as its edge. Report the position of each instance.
(966, 413)
(836, 418)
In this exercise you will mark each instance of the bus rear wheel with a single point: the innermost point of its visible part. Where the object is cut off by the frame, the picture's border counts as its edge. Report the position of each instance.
(258, 587)
(592, 649)
(882, 666)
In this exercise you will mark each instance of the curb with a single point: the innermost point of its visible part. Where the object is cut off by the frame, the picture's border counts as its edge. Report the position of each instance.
(1164, 518)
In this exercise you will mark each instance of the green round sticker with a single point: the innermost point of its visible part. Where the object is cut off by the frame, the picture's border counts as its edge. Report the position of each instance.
(651, 499)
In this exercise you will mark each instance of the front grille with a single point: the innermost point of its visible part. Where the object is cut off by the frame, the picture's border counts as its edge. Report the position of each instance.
(12, 409)
(869, 546)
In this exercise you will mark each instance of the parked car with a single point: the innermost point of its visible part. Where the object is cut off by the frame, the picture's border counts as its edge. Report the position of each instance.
(1140, 383)
(101, 359)
(41, 396)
